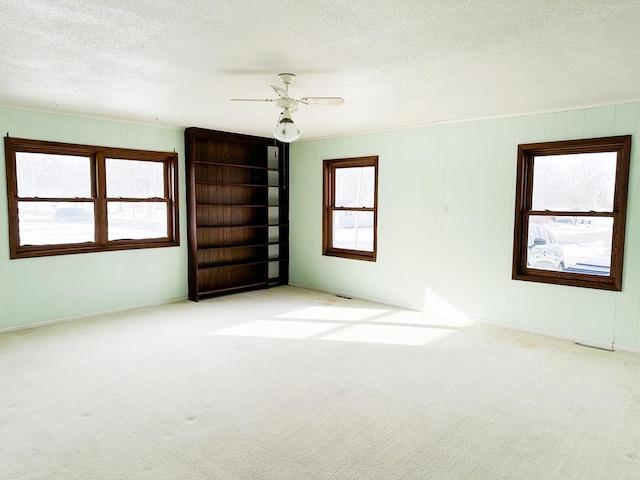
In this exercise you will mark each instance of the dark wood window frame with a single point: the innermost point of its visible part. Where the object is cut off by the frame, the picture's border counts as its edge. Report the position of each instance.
(97, 156)
(329, 208)
(524, 209)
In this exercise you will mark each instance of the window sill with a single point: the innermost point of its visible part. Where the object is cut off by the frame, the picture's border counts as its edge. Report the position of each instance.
(571, 280)
(49, 251)
(351, 254)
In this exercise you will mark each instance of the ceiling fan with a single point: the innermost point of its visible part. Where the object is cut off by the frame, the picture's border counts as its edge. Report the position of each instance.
(286, 131)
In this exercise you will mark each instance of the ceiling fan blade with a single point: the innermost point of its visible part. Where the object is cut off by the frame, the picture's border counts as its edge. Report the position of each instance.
(251, 100)
(280, 91)
(322, 100)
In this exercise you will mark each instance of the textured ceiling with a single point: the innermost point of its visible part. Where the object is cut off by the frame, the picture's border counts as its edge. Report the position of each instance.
(396, 64)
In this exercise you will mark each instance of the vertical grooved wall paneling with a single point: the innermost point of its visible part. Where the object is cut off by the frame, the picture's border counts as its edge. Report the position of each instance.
(446, 247)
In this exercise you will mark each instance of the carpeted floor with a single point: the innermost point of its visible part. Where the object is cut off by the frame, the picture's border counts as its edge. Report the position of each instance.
(293, 384)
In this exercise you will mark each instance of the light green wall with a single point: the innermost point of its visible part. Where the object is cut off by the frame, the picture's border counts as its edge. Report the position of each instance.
(37, 290)
(461, 262)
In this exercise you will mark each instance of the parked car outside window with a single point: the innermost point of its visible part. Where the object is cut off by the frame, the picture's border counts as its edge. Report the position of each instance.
(543, 251)
(75, 215)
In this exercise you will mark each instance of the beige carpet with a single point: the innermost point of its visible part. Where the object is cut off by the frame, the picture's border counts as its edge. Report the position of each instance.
(293, 384)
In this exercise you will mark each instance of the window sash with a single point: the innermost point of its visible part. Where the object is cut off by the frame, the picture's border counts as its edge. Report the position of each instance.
(99, 199)
(330, 209)
(524, 201)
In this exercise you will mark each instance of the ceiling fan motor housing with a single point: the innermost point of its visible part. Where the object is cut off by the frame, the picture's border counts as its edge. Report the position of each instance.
(286, 130)
(288, 102)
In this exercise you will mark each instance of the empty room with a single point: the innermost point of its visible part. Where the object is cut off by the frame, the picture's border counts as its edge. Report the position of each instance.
(319, 240)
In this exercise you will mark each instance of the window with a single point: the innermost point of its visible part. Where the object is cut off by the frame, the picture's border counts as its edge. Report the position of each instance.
(66, 198)
(349, 218)
(571, 203)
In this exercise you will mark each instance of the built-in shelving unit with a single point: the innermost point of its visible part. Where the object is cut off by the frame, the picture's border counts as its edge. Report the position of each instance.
(238, 212)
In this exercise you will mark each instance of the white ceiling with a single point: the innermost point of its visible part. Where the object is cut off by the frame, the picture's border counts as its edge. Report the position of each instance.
(397, 64)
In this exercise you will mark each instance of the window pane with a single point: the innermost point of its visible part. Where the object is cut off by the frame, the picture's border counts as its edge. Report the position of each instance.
(355, 187)
(55, 223)
(353, 230)
(137, 220)
(134, 179)
(48, 176)
(580, 182)
(570, 244)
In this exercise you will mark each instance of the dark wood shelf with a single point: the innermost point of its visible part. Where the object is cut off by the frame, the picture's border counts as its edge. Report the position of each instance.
(240, 205)
(235, 165)
(206, 266)
(252, 245)
(229, 192)
(229, 184)
(249, 286)
(262, 225)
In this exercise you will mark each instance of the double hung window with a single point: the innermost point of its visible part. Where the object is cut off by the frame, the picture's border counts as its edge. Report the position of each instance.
(571, 202)
(67, 198)
(350, 208)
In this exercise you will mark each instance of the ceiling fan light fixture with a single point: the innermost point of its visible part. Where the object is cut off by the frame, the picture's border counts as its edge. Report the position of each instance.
(286, 131)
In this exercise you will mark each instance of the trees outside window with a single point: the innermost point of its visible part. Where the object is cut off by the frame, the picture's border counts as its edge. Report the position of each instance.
(571, 199)
(350, 208)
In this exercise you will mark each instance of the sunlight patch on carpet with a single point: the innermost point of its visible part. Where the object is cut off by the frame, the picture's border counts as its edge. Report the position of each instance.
(390, 335)
(276, 329)
(334, 313)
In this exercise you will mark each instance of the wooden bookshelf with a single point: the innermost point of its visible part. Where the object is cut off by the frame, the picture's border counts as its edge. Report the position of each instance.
(238, 212)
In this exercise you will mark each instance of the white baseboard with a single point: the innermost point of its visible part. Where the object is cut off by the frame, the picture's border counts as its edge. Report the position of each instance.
(382, 301)
(626, 348)
(611, 346)
(88, 315)
(585, 342)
